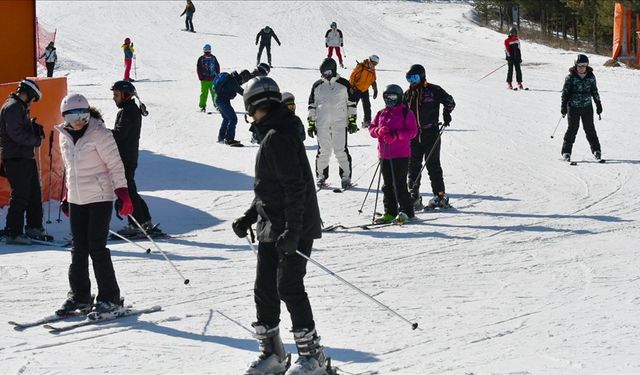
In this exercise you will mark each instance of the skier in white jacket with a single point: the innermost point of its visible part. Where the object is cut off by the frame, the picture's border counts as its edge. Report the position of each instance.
(332, 112)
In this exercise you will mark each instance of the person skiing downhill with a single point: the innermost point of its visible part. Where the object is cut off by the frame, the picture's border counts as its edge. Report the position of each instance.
(207, 68)
(19, 136)
(189, 10)
(424, 99)
(127, 48)
(333, 40)
(579, 88)
(264, 36)
(332, 113)
(514, 57)
(394, 127)
(50, 58)
(285, 208)
(95, 176)
(362, 77)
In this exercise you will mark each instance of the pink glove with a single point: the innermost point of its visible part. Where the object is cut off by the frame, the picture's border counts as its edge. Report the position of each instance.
(126, 207)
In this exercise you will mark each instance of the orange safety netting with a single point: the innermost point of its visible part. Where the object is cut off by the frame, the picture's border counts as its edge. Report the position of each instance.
(43, 37)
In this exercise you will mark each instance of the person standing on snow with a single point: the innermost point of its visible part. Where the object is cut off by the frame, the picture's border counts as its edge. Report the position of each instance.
(19, 135)
(333, 40)
(332, 112)
(128, 50)
(264, 36)
(579, 87)
(394, 127)
(207, 68)
(126, 132)
(95, 177)
(424, 99)
(514, 58)
(189, 10)
(285, 208)
(227, 86)
(362, 77)
(50, 57)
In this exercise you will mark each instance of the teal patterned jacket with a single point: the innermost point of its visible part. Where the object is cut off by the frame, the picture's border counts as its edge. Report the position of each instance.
(577, 92)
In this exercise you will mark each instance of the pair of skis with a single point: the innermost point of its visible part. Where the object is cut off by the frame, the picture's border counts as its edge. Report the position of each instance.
(335, 190)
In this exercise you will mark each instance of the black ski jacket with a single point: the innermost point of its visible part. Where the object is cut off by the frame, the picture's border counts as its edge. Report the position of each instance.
(17, 136)
(425, 103)
(127, 133)
(285, 193)
(265, 38)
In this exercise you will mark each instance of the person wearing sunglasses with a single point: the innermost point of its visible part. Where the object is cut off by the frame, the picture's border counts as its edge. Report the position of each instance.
(95, 177)
(514, 58)
(579, 88)
(19, 136)
(362, 77)
(425, 99)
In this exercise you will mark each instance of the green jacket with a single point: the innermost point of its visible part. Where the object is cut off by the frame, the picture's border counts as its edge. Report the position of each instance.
(577, 92)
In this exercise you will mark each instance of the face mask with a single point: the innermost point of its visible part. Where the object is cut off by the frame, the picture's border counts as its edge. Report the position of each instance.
(74, 115)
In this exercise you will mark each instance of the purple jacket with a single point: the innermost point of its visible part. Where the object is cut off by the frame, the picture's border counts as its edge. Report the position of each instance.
(394, 131)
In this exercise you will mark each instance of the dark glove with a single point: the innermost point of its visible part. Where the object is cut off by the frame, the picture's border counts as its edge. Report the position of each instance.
(287, 243)
(64, 206)
(375, 93)
(563, 110)
(352, 127)
(341, 44)
(446, 116)
(241, 225)
(311, 130)
(598, 108)
(38, 130)
(326, 45)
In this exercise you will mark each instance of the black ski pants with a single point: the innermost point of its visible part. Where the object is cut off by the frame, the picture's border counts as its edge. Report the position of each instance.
(50, 66)
(394, 175)
(366, 103)
(140, 208)
(281, 277)
(516, 65)
(573, 118)
(420, 148)
(26, 196)
(188, 23)
(90, 228)
(263, 46)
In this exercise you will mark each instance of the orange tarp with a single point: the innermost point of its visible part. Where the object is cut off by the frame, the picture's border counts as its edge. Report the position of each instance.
(618, 20)
(18, 41)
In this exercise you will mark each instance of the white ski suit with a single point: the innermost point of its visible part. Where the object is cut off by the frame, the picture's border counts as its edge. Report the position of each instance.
(330, 104)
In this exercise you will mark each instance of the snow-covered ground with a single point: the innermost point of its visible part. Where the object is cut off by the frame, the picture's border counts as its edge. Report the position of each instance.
(536, 271)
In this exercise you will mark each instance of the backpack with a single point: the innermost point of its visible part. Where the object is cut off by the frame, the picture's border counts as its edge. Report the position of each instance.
(219, 81)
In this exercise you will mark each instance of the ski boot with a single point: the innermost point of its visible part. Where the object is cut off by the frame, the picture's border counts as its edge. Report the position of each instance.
(233, 143)
(417, 203)
(365, 124)
(346, 183)
(106, 308)
(273, 358)
(152, 229)
(321, 182)
(70, 306)
(520, 86)
(130, 231)
(38, 234)
(384, 219)
(509, 86)
(566, 156)
(438, 201)
(401, 218)
(203, 109)
(597, 155)
(311, 359)
(19, 239)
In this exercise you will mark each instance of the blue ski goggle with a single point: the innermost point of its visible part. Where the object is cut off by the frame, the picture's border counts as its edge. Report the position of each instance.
(391, 100)
(413, 78)
(74, 115)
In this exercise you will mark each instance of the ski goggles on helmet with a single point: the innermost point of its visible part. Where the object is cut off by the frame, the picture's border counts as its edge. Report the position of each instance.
(74, 115)
(583, 65)
(391, 100)
(413, 78)
(327, 73)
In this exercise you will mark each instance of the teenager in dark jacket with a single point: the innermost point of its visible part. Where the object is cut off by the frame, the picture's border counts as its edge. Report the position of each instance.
(207, 68)
(424, 99)
(285, 208)
(514, 57)
(127, 135)
(265, 36)
(227, 86)
(19, 135)
(579, 87)
(189, 10)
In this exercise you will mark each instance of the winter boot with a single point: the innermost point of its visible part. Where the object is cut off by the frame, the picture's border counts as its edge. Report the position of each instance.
(321, 182)
(273, 358)
(597, 155)
(71, 306)
(346, 183)
(38, 234)
(311, 359)
(509, 86)
(384, 219)
(566, 156)
(19, 239)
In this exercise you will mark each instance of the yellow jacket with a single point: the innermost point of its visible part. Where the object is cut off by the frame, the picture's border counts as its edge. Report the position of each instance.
(362, 76)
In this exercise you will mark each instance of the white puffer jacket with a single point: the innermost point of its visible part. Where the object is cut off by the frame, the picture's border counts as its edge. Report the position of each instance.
(331, 103)
(93, 166)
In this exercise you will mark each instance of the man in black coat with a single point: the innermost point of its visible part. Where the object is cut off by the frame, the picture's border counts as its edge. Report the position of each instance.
(18, 137)
(285, 208)
(265, 36)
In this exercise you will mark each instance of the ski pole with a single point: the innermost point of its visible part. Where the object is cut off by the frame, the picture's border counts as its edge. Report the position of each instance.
(493, 71)
(135, 71)
(419, 176)
(186, 281)
(147, 250)
(393, 176)
(38, 169)
(558, 124)
(64, 175)
(413, 325)
(375, 205)
(50, 173)
(369, 189)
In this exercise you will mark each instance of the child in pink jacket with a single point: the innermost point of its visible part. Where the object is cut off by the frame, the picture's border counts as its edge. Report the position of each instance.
(394, 126)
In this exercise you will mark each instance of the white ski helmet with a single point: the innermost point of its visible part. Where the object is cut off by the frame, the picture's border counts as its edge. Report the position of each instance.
(73, 101)
(374, 59)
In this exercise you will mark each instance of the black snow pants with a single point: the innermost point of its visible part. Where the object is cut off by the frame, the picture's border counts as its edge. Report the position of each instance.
(574, 116)
(510, 72)
(140, 208)
(263, 46)
(366, 104)
(421, 145)
(188, 23)
(396, 180)
(26, 196)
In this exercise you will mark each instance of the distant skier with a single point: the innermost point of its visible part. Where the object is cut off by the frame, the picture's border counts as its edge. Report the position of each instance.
(514, 57)
(285, 208)
(189, 10)
(394, 127)
(264, 36)
(50, 58)
(95, 177)
(290, 101)
(579, 87)
(227, 86)
(207, 68)
(333, 41)
(128, 50)
(424, 99)
(332, 113)
(362, 77)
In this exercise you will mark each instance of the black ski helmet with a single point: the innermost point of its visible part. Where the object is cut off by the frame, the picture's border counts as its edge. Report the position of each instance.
(30, 88)
(392, 90)
(581, 59)
(329, 64)
(513, 31)
(124, 86)
(417, 69)
(262, 69)
(260, 90)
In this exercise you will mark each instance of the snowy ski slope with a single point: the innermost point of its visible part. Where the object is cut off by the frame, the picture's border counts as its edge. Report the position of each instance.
(535, 272)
